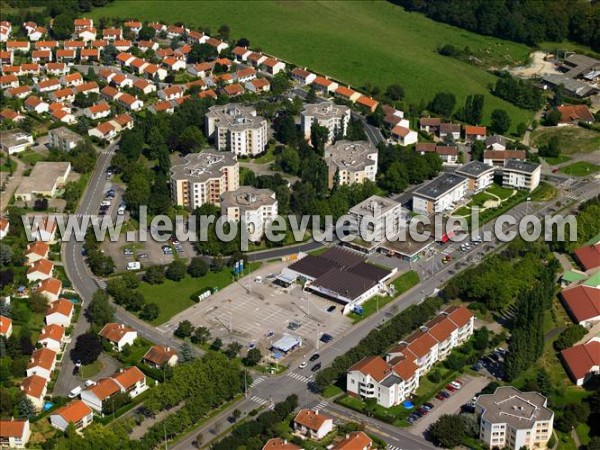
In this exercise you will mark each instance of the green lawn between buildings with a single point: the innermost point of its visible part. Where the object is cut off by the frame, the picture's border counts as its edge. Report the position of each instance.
(354, 41)
(173, 297)
(580, 169)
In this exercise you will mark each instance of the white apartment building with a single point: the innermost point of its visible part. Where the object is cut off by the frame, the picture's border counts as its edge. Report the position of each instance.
(392, 380)
(478, 174)
(237, 128)
(513, 419)
(521, 174)
(329, 115)
(351, 162)
(376, 217)
(203, 178)
(440, 194)
(64, 139)
(14, 433)
(255, 207)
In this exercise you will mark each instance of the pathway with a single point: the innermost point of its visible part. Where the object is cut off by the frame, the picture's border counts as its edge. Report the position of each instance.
(12, 184)
(565, 262)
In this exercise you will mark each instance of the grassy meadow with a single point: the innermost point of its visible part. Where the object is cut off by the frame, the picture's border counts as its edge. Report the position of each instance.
(353, 41)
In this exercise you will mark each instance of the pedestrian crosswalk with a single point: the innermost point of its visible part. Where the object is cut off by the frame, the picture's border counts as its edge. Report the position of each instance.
(297, 376)
(261, 401)
(393, 447)
(321, 405)
(257, 381)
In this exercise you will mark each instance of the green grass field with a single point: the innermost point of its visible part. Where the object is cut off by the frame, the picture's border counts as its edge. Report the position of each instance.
(554, 161)
(571, 139)
(580, 169)
(173, 297)
(353, 41)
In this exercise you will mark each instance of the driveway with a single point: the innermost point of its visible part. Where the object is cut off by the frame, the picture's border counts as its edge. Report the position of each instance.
(471, 386)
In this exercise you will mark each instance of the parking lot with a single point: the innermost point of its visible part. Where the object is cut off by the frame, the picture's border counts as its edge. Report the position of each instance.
(260, 313)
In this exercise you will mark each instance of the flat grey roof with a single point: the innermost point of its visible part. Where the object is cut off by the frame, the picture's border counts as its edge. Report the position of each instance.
(235, 116)
(43, 177)
(66, 133)
(248, 198)
(351, 155)
(200, 167)
(14, 137)
(518, 409)
(325, 110)
(440, 186)
(521, 166)
(473, 169)
(374, 203)
(577, 87)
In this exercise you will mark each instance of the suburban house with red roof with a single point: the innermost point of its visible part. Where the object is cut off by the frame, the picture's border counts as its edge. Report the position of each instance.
(273, 66)
(573, 114)
(36, 250)
(280, 444)
(312, 424)
(404, 136)
(473, 134)
(35, 389)
(6, 327)
(4, 226)
(241, 53)
(97, 111)
(118, 335)
(131, 381)
(159, 356)
(42, 269)
(14, 433)
(582, 361)
(391, 380)
(302, 76)
(258, 85)
(356, 440)
(42, 363)
(75, 412)
(52, 337)
(51, 288)
(430, 124)
(325, 85)
(60, 313)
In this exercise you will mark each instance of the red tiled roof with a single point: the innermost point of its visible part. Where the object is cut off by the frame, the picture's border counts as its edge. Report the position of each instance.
(375, 366)
(357, 440)
(43, 357)
(583, 302)
(104, 388)
(580, 359)
(51, 285)
(62, 306)
(159, 355)
(114, 332)
(5, 323)
(430, 121)
(310, 419)
(459, 315)
(280, 444)
(74, 411)
(575, 113)
(41, 265)
(589, 256)
(400, 131)
(12, 428)
(420, 343)
(478, 131)
(38, 248)
(129, 377)
(53, 332)
(33, 386)
(504, 154)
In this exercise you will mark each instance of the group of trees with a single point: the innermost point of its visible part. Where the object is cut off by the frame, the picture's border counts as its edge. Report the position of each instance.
(528, 21)
(379, 340)
(519, 92)
(551, 149)
(124, 292)
(588, 217)
(99, 263)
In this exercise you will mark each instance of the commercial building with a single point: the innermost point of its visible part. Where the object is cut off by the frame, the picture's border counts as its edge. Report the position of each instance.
(339, 274)
(441, 194)
(478, 174)
(392, 380)
(329, 115)
(63, 139)
(350, 162)
(203, 178)
(521, 174)
(237, 128)
(43, 181)
(255, 207)
(513, 419)
(15, 141)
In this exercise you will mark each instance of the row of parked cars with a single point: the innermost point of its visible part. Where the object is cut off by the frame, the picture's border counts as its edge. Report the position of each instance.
(424, 409)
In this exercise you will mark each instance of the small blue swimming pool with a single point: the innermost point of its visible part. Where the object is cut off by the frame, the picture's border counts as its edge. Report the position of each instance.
(408, 404)
(48, 405)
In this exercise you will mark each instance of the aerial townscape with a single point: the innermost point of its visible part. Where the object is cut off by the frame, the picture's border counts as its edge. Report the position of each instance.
(319, 225)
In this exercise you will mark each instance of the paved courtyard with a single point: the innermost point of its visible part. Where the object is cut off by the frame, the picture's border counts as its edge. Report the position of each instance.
(259, 313)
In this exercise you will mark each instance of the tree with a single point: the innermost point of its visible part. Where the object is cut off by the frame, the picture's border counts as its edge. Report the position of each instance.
(37, 303)
(376, 118)
(62, 26)
(443, 104)
(236, 414)
(243, 42)
(481, 338)
(568, 337)
(155, 275)
(6, 254)
(253, 357)
(201, 335)
(176, 270)
(197, 268)
(521, 128)
(217, 344)
(500, 121)
(394, 92)
(146, 33)
(233, 349)
(448, 431)
(149, 312)
(186, 353)
(477, 150)
(191, 140)
(311, 95)
(280, 83)
(289, 160)
(201, 52)
(87, 348)
(100, 312)
(184, 329)
(130, 280)
(224, 32)
(473, 110)
(319, 136)
(26, 408)
(551, 149)
(114, 402)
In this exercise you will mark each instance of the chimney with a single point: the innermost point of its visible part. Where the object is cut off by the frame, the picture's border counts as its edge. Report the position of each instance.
(347, 436)
(316, 412)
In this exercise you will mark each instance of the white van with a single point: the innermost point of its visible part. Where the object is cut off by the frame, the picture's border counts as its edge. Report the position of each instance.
(121, 210)
(134, 265)
(75, 392)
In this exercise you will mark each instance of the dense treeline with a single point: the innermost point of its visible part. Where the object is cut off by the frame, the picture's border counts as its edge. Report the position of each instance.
(251, 435)
(521, 93)
(588, 218)
(379, 340)
(527, 21)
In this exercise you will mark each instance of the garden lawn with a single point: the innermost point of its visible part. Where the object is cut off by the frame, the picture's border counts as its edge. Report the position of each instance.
(499, 191)
(354, 41)
(580, 169)
(571, 139)
(31, 157)
(90, 370)
(554, 161)
(173, 297)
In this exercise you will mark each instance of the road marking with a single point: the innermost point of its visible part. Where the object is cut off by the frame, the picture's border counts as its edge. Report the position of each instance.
(321, 405)
(257, 381)
(263, 402)
(393, 447)
(297, 376)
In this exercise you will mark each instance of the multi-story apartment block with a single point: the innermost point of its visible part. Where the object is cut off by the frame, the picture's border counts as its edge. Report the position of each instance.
(478, 174)
(203, 178)
(440, 194)
(329, 115)
(255, 207)
(237, 128)
(521, 174)
(376, 218)
(350, 162)
(513, 419)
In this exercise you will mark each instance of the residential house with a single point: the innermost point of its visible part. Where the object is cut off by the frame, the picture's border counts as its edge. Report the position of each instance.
(52, 337)
(49, 85)
(130, 102)
(36, 250)
(30, 69)
(9, 81)
(499, 158)
(76, 412)
(201, 70)
(35, 389)
(63, 95)
(174, 31)
(347, 94)
(90, 54)
(450, 131)
(118, 335)
(245, 75)
(18, 92)
(51, 288)
(171, 93)
(122, 44)
(97, 111)
(42, 363)
(583, 304)
(126, 59)
(66, 55)
(495, 142)
(12, 115)
(6, 57)
(112, 34)
(134, 25)
(60, 313)
(324, 85)
(110, 93)
(87, 34)
(4, 226)
(63, 116)
(145, 86)
(14, 433)
(154, 72)
(302, 76)
(217, 44)
(356, 440)
(233, 90)
(258, 85)
(131, 381)
(159, 356)
(280, 444)
(573, 114)
(273, 66)
(312, 424)
(63, 139)
(72, 80)
(430, 124)
(447, 153)
(197, 37)
(36, 105)
(18, 46)
(82, 24)
(256, 59)
(173, 64)
(41, 56)
(582, 361)
(473, 134)
(6, 327)
(241, 54)
(105, 131)
(368, 103)
(88, 88)
(404, 136)
(588, 256)
(95, 395)
(144, 46)
(42, 269)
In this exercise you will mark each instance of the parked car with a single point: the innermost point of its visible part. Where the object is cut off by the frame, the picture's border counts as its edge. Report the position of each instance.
(316, 367)
(429, 405)
(325, 337)
(445, 394)
(439, 396)
(314, 357)
(456, 384)
(331, 308)
(303, 365)
(89, 383)
(75, 392)
(451, 388)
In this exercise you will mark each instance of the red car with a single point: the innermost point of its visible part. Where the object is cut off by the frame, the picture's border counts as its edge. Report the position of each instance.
(439, 396)
(451, 388)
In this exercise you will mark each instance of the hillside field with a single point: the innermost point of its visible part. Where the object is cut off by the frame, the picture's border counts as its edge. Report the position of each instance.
(353, 41)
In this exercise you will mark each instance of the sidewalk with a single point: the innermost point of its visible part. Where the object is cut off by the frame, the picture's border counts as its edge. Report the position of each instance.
(12, 184)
